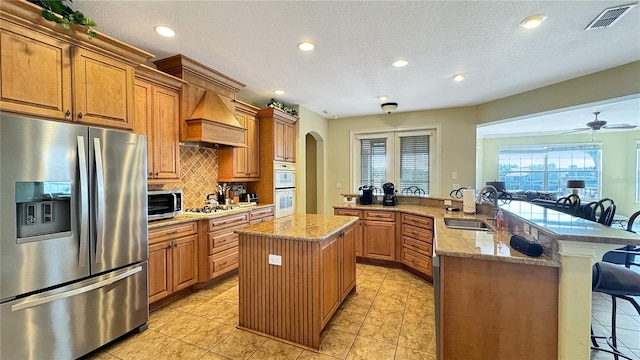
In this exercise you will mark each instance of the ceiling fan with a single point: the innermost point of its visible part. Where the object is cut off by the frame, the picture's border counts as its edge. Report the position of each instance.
(598, 124)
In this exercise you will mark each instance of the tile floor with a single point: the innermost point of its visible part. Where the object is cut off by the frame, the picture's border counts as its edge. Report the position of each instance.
(390, 317)
(628, 325)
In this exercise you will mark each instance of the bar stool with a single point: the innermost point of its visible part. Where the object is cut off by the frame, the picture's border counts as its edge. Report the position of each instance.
(620, 283)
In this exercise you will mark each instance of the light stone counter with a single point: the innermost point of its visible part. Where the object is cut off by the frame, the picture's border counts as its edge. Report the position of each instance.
(465, 243)
(304, 227)
(202, 216)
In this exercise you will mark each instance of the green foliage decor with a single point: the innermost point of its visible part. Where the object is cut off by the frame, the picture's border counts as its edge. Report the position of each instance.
(278, 105)
(53, 8)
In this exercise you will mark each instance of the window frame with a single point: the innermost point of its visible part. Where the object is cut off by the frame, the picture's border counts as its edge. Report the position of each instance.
(545, 150)
(393, 166)
(637, 172)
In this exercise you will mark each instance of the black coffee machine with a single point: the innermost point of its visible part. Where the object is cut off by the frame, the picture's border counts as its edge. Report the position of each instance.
(366, 195)
(390, 198)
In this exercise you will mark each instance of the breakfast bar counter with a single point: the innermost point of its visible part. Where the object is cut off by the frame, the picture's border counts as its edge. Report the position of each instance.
(293, 273)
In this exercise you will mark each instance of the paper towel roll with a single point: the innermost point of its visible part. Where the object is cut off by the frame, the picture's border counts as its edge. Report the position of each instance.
(469, 201)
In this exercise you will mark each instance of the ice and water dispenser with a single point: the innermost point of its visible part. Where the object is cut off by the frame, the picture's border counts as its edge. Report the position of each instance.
(42, 208)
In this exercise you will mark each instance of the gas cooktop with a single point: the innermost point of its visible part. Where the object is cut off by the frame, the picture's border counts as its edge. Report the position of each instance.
(206, 210)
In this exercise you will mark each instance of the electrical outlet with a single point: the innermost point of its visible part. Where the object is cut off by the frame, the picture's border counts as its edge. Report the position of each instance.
(275, 260)
(338, 185)
(447, 202)
(454, 175)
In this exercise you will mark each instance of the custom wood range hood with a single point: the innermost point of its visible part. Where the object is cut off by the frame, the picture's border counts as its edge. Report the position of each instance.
(207, 103)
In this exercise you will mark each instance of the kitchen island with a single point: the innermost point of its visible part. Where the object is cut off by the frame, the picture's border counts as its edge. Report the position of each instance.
(294, 272)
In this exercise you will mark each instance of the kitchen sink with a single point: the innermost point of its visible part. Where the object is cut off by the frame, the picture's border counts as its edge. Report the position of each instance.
(467, 224)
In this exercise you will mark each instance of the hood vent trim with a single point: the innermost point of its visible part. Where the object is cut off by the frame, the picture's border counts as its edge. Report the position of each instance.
(609, 17)
(212, 122)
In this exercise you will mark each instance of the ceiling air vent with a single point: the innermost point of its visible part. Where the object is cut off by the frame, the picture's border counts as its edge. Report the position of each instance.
(609, 17)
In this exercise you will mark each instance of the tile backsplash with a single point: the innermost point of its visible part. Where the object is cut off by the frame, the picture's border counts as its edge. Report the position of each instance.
(198, 175)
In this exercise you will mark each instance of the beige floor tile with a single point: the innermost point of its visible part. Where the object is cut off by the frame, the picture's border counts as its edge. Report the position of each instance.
(381, 329)
(418, 336)
(386, 309)
(142, 347)
(188, 302)
(239, 345)
(395, 285)
(231, 295)
(100, 355)
(181, 350)
(404, 353)
(366, 349)
(209, 335)
(418, 317)
(212, 308)
(359, 305)
(213, 356)
(399, 275)
(309, 355)
(230, 316)
(347, 321)
(162, 316)
(182, 325)
(393, 295)
(276, 350)
(336, 343)
(366, 292)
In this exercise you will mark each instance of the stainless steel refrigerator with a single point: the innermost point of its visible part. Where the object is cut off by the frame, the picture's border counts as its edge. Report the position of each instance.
(73, 246)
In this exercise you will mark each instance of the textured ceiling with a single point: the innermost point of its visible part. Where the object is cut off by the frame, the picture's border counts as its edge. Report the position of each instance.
(254, 42)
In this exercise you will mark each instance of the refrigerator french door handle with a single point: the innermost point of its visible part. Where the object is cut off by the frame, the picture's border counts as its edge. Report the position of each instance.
(84, 203)
(84, 289)
(97, 149)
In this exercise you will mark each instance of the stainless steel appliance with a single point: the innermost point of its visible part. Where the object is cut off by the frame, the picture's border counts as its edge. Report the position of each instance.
(73, 237)
(284, 180)
(164, 204)
(390, 198)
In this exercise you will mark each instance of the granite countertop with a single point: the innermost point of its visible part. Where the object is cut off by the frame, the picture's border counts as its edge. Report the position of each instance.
(563, 226)
(465, 243)
(303, 227)
(203, 216)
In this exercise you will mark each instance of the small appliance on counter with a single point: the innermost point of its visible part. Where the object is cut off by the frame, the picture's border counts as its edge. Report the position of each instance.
(390, 198)
(249, 197)
(366, 195)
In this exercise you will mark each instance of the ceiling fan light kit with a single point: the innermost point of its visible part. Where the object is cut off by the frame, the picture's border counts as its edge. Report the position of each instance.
(598, 124)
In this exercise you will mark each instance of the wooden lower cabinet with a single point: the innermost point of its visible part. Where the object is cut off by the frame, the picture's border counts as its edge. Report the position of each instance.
(357, 229)
(417, 242)
(497, 310)
(219, 244)
(348, 260)
(261, 214)
(172, 259)
(379, 240)
(330, 277)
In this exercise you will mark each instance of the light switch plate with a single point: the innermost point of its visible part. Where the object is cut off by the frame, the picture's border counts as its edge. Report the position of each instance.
(275, 260)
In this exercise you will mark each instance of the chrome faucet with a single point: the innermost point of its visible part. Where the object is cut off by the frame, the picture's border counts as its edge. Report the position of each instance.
(493, 190)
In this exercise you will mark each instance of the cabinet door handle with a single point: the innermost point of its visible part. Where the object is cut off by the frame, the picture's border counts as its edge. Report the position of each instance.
(67, 113)
(79, 115)
(150, 174)
(156, 175)
(175, 245)
(169, 246)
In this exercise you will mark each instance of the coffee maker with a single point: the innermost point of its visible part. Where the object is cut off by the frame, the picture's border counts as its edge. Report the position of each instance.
(390, 198)
(366, 195)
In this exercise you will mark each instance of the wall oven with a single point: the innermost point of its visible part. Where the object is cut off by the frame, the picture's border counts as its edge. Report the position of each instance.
(284, 180)
(164, 204)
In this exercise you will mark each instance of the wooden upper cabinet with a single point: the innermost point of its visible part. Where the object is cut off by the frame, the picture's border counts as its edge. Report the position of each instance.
(157, 115)
(36, 73)
(279, 135)
(59, 74)
(104, 90)
(242, 163)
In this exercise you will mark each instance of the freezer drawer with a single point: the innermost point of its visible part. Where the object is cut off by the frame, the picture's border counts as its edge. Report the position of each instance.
(69, 322)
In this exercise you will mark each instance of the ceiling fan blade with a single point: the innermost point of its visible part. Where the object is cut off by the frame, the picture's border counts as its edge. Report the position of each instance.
(620, 126)
(574, 131)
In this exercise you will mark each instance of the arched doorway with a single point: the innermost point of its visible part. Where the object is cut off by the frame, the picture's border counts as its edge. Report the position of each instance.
(314, 173)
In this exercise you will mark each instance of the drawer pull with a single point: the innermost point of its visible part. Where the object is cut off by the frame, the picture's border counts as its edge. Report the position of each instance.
(171, 232)
(221, 241)
(223, 264)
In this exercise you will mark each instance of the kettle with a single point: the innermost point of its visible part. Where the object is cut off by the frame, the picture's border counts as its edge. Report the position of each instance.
(211, 201)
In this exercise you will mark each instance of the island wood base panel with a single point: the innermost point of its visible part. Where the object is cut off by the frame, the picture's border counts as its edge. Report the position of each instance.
(498, 310)
(278, 300)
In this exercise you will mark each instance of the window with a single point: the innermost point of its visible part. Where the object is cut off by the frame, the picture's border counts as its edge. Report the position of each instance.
(404, 158)
(638, 172)
(548, 167)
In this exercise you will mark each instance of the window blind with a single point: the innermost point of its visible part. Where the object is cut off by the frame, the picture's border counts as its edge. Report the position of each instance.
(414, 162)
(373, 162)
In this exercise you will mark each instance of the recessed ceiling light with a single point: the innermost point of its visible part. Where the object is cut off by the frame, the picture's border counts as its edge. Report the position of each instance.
(532, 21)
(400, 63)
(335, 117)
(165, 31)
(458, 77)
(383, 97)
(306, 46)
(279, 92)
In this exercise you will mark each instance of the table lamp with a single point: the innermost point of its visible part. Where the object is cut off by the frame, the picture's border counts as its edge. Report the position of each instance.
(575, 185)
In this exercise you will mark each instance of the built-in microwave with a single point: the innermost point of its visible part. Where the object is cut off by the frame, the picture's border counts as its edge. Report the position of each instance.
(284, 175)
(164, 204)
